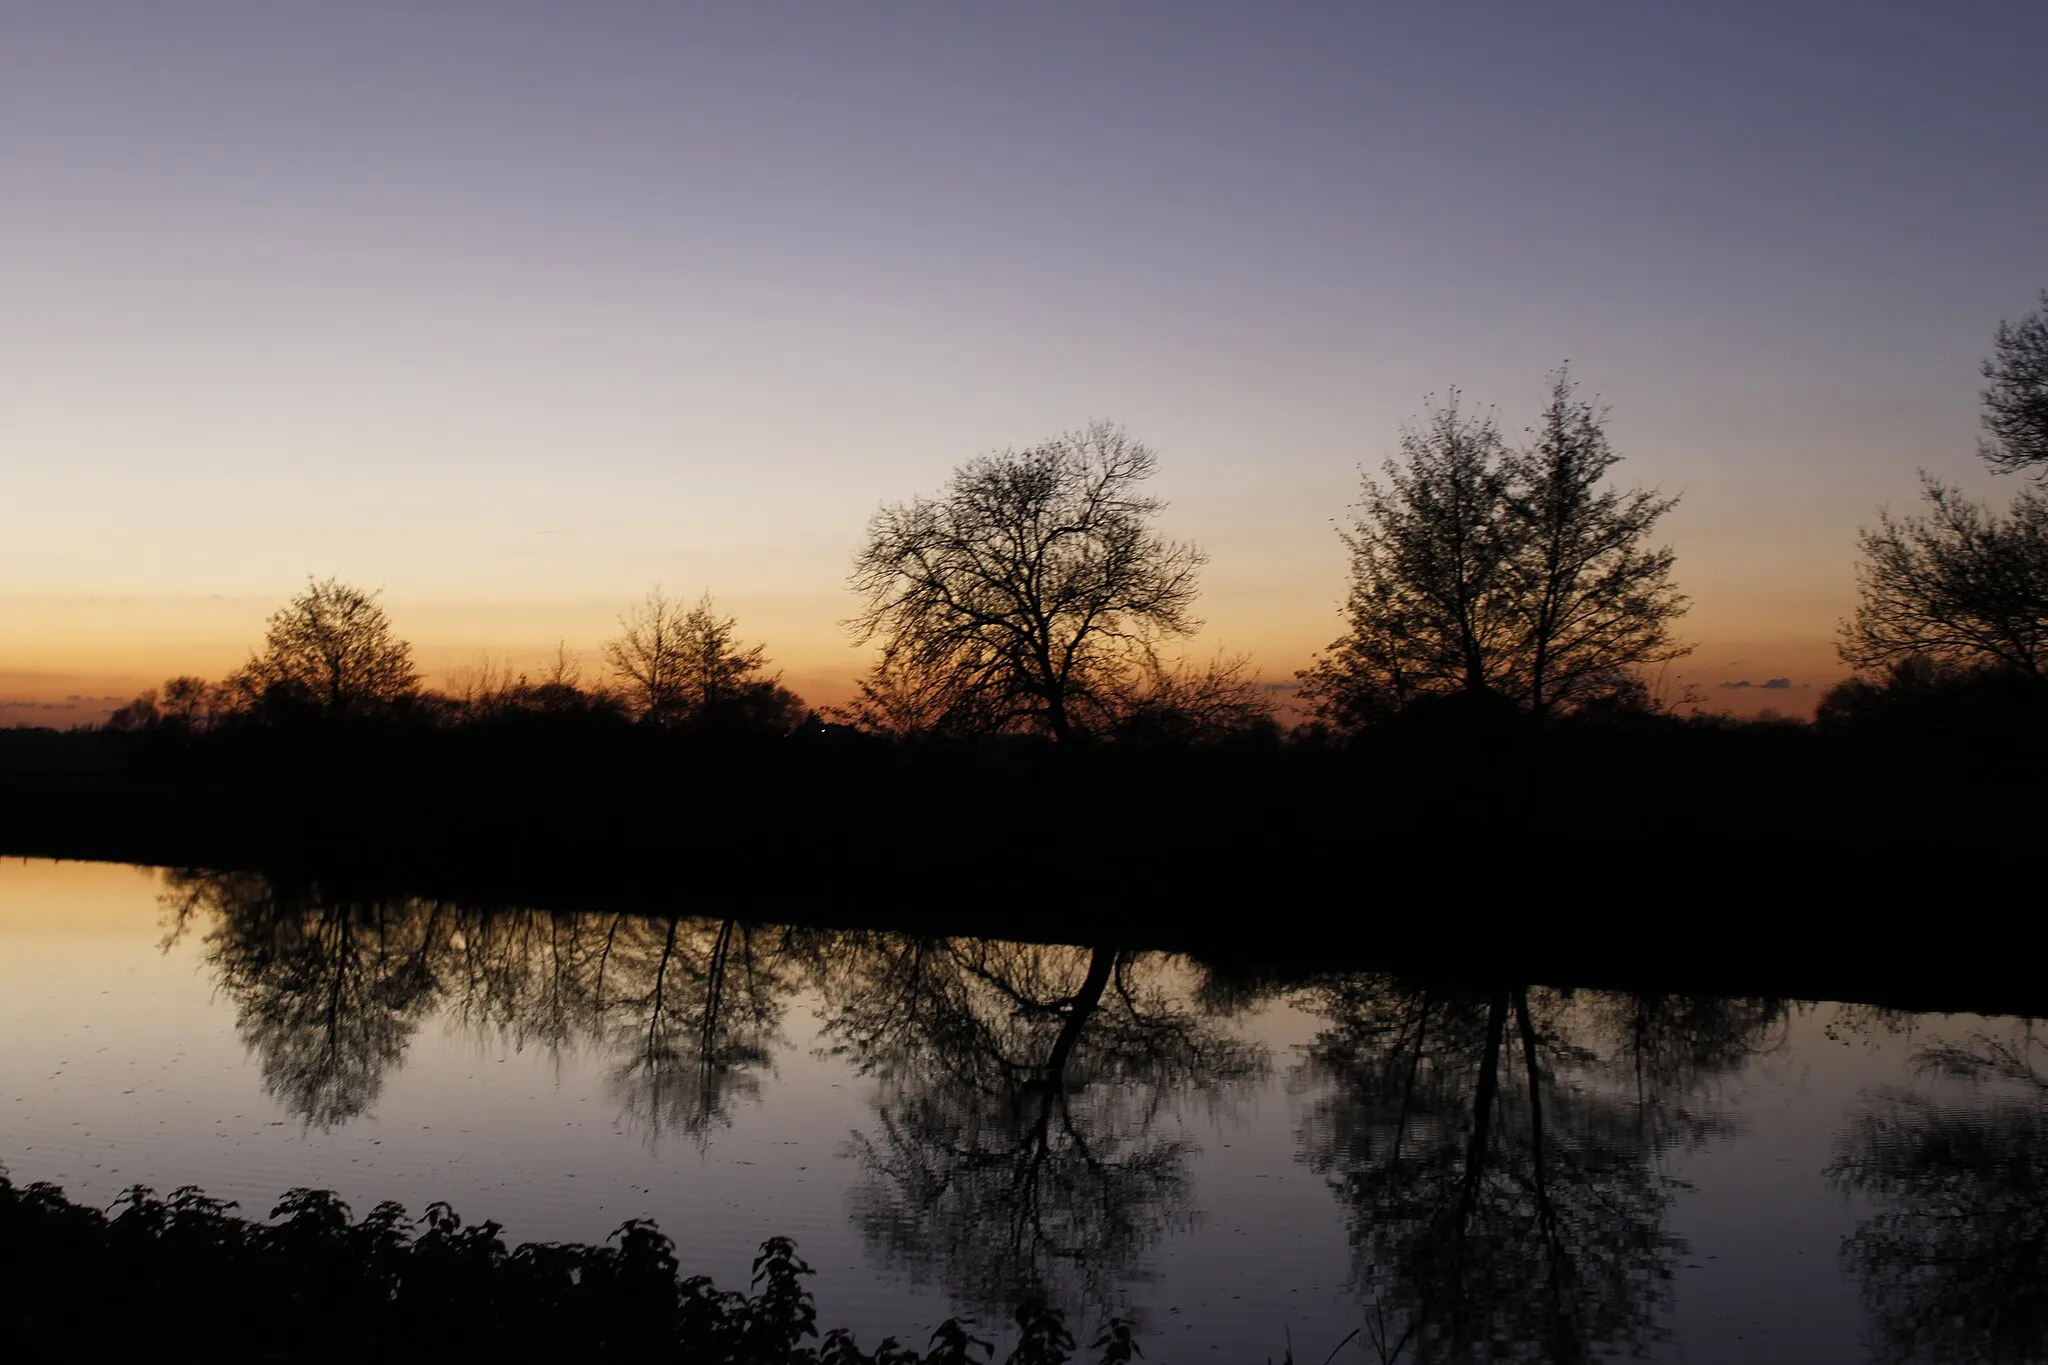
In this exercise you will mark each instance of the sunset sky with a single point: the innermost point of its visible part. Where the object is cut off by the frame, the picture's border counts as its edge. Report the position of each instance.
(513, 310)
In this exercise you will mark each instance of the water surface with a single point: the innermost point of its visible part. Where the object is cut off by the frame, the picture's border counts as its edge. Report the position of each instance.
(948, 1127)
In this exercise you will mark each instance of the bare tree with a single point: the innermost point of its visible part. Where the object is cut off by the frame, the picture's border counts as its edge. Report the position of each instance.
(647, 659)
(1958, 584)
(331, 646)
(1220, 702)
(686, 666)
(1021, 597)
(2016, 401)
(1429, 556)
(1480, 571)
(1592, 599)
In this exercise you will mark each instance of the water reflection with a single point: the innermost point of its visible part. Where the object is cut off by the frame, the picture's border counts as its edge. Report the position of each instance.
(1954, 1257)
(1501, 1156)
(1020, 1148)
(329, 989)
(695, 1020)
(1030, 1116)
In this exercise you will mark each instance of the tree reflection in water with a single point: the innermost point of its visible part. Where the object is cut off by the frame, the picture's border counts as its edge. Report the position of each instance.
(1022, 1146)
(695, 1022)
(329, 989)
(1954, 1257)
(1501, 1152)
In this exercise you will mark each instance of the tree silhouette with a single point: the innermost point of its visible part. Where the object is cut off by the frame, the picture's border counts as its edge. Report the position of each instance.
(1483, 572)
(1498, 1152)
(1016, 1152)
(1022, 597)
(2016, 400)
(1593, 600)
(330, 647)
(1959, 585)
(685, 667)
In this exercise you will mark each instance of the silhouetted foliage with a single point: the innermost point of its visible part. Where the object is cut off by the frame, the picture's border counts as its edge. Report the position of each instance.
(316, 1283)
(2016, 400)
(1954, 1257)
(684, 667)
(184, 706)
(1182, 706)
(1476, 570)
(330, 649)
(1917, 705)
(1959, 584)
(1023, 596)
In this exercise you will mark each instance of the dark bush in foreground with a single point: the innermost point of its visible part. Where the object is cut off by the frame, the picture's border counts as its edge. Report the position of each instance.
(186, 1278)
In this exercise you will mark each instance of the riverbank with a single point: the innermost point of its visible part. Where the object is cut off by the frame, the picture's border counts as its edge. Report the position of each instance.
(1830, 891)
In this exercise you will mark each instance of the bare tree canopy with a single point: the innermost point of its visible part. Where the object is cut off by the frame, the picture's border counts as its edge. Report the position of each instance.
(686, 666)
(1024, 596)
(332, 646)
(1957, 584)
(1480, 570)
(1594, 601)
(2016, 400)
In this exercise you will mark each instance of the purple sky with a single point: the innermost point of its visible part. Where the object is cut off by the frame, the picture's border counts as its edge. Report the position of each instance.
(515, 309)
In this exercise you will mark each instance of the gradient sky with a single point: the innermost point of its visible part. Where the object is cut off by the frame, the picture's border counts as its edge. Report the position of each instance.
(513, 310)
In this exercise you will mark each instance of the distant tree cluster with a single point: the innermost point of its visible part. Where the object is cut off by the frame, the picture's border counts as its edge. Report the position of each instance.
(330, 655)
(685, 667)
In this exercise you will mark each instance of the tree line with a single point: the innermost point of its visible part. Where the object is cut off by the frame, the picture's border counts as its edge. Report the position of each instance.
(1035, 595)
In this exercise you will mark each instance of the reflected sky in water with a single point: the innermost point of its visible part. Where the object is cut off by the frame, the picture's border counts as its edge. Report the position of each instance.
(950, 1126)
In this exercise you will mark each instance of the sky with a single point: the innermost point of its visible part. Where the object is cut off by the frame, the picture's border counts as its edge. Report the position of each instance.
(514, 310)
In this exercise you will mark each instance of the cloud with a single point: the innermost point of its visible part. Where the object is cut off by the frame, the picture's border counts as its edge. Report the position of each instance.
(1744, 683)
(1778, 684)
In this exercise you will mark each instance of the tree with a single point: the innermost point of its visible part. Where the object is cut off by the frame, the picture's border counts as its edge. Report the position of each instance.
(1428, 564)
(1027, 593)
(1959, 585)
(686, 667)
(332, 647)
(1594, 600)
(2016, 400)
(1477, 570)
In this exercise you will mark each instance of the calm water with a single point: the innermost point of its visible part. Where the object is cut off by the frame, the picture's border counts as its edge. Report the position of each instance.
(947, 1126)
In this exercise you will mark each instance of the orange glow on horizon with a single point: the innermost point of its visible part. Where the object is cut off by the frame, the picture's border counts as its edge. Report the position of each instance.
(71, 663)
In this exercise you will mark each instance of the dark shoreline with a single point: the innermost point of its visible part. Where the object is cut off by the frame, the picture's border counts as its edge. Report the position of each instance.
(1895, 912)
